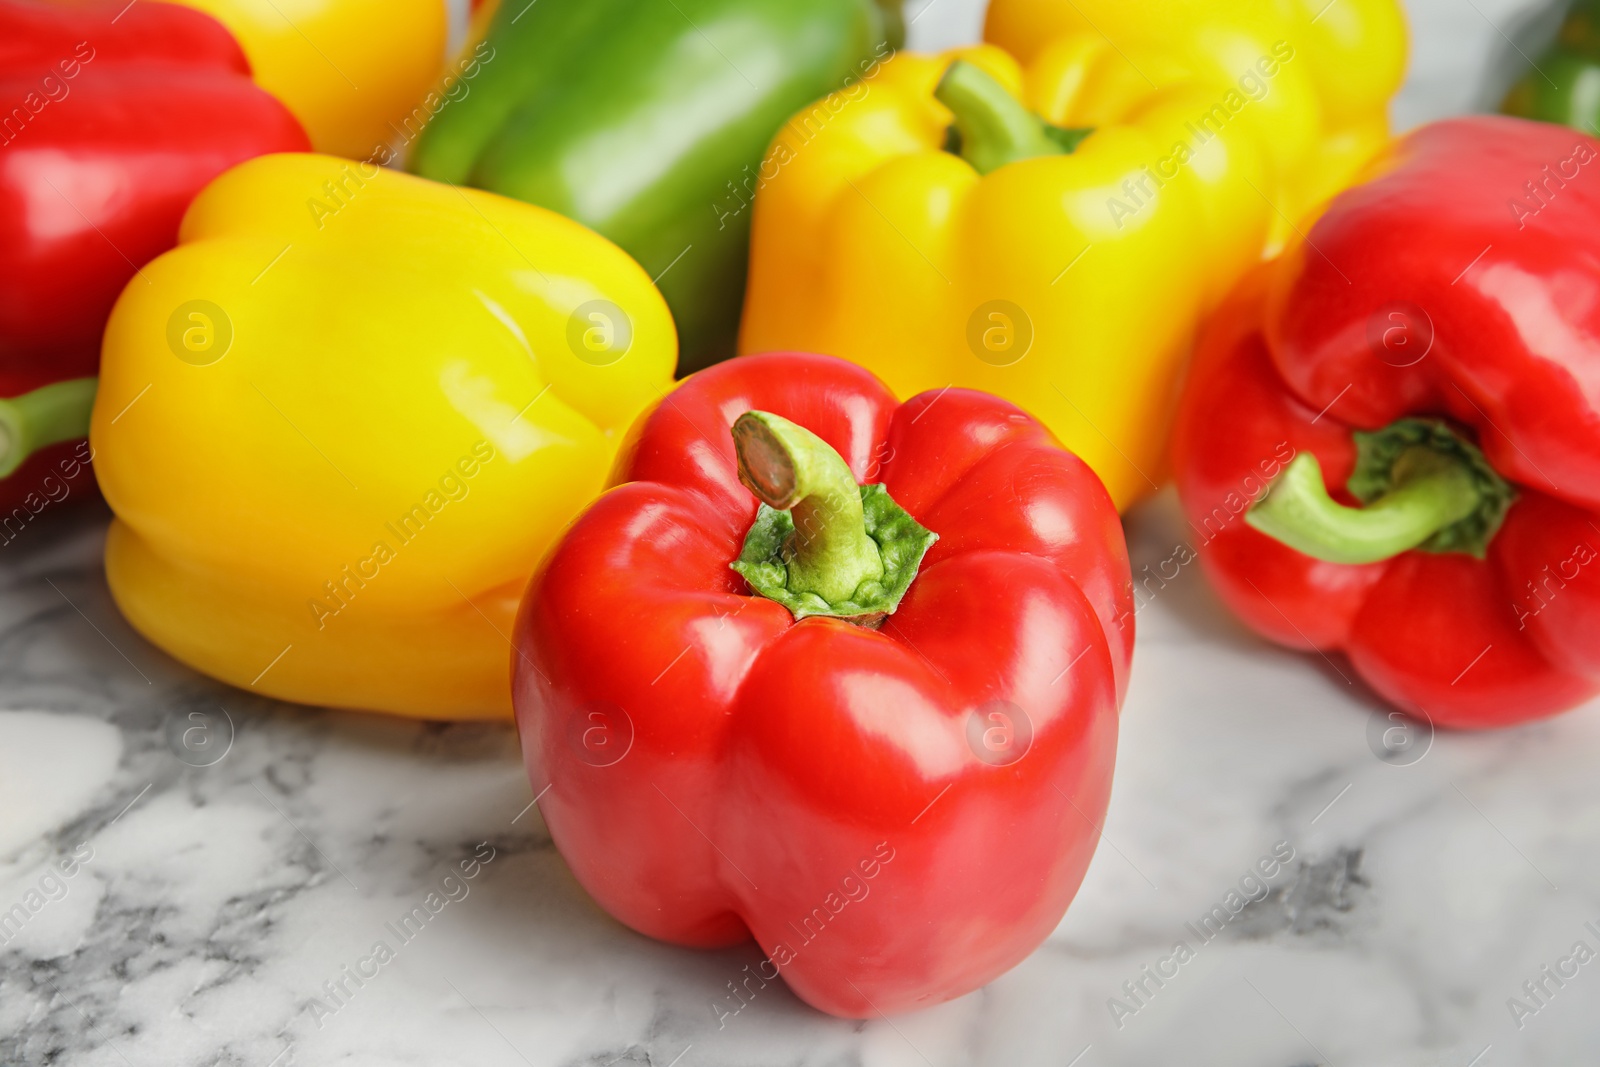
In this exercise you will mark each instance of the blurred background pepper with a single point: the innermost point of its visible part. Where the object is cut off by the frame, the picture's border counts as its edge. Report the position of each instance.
(112, 117)
(1317, 119)
(350, 70)
(1554, 58)
(647, 123)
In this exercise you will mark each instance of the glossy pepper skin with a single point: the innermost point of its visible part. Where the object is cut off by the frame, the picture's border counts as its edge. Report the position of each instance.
(1323, 115)
(339, 430)
(1424, 294)
(1562, 83)
(719, 771)
(1067, 281)
(116, 119)
(352, 71)
(114, 125)
(647, 123)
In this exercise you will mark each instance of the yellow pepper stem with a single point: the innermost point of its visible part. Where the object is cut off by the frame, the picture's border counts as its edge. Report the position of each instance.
(992, 128)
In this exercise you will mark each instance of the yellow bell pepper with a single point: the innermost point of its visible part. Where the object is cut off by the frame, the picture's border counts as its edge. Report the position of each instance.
(342, 420)
(352, 71)
(1320, 118)
(949, 223)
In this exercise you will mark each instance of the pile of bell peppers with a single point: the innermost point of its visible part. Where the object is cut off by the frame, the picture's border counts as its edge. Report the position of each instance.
(1047, 217)
(370, 436)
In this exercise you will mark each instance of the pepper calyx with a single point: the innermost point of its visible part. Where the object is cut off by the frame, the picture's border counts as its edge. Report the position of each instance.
(1382, 464)
(820, 543)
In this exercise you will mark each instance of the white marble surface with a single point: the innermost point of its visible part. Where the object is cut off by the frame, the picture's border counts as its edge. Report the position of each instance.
(208, 905)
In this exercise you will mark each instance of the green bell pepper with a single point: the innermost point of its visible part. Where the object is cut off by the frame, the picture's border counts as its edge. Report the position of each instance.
(1563, 84)
(648, 123)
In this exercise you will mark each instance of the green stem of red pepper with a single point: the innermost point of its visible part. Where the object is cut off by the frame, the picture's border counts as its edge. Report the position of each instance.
(992, 128)
(789, 468)
(821, 545)
(46, 416)
(1422, 487)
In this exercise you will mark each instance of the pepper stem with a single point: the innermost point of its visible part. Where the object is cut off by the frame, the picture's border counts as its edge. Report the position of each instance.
(992, 127)
(789, 468)
(1433, 491)
(46, 416)
(1423, 485)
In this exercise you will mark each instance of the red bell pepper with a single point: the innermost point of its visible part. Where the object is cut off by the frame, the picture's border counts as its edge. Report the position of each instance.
(743, 729)
(112, 117)
(1418, 381)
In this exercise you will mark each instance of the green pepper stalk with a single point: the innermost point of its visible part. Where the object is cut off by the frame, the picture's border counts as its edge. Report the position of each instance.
(46, 416)
(821, 544)
(991, 126)
(1422, 487)
(789, 468)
